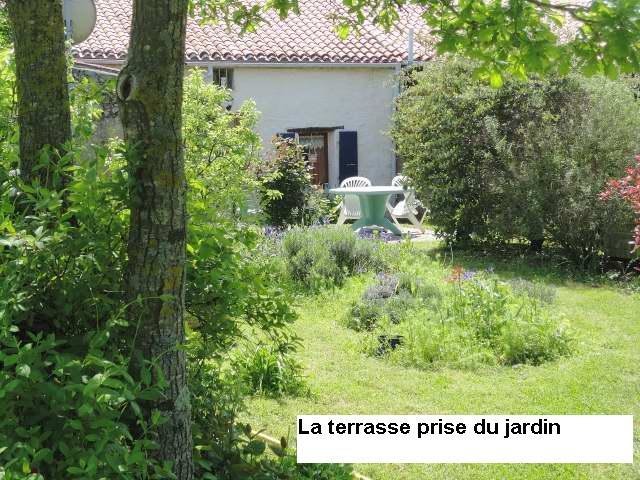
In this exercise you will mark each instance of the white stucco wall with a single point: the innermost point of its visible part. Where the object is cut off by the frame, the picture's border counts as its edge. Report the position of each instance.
(358, 98)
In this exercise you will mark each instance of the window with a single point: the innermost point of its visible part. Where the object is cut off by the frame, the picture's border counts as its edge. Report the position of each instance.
(222, 77)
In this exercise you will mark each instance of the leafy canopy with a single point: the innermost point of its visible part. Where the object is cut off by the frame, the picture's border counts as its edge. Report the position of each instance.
(518, 37)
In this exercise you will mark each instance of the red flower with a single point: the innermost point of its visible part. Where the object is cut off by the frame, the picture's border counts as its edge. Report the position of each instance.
(456, 274)
(627, 188)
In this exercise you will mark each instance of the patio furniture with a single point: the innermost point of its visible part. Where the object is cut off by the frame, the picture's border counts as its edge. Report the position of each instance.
(407, 208)
(350, 206)
(373, 205)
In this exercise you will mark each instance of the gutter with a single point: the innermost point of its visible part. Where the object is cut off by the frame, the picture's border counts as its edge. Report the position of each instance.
(99, 69)
(117, 63)
(289, 64)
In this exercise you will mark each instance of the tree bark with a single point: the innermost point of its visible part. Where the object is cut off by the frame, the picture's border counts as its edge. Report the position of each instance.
(44, 116)
(150, 93)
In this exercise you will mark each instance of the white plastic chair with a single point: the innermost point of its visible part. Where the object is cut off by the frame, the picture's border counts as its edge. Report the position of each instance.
(350, 206)
(406, 208)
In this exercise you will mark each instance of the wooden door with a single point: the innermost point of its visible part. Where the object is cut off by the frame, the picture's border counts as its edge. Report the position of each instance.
(316, 149)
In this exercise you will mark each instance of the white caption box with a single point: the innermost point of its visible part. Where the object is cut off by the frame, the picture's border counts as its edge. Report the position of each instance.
(424, 439)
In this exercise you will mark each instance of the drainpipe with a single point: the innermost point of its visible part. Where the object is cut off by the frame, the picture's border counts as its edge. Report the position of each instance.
(410, 57)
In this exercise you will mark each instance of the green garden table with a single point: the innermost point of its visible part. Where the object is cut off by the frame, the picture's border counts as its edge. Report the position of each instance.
(373, 205)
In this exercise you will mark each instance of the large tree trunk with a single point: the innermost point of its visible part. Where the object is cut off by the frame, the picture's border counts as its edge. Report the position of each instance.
(150, 92)
(44, 116)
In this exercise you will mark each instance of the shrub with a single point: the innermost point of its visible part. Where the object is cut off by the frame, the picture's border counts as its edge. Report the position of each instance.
(72, 405)
(386, 286)
(525, 161)
(366, 315)
(628, 189)
(67, 413)
(385, 301)
(269, 370)
(320, 257)
(286, 181)
(288, 196)
(8, 120)
(533, 342)
(428, 343)
(5, 30)
(221, 151)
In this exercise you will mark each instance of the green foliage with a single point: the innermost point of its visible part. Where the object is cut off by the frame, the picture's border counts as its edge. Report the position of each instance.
(270, 370)
(227, 285)
(289, 468)
(62, 260)
(216, 401)
(67, 414)
(387, 301)
(288, 195)
(71, 404)
(8, 120)
(536, 291)
(525, 161)
(481, 321)
(323, 257)
(286, 181)
(234, 290)
(457, 318)
(5, 29)
(221, 150)
(63, 251)
(533, 342)
(86, 97)
(512, 38)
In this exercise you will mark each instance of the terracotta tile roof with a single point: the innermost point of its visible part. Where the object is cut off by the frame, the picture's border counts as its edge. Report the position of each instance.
(308, 37)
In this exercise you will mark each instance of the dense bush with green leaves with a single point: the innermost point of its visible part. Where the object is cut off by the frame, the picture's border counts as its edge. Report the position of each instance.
(71, 401)
(228, 284)
(221, 149)
(525, 161)
(288, 195)
(68, 411)
(323, 257)
(286, 181)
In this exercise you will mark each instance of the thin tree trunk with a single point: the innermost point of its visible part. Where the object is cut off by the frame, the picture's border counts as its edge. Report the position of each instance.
(150, 92)
(44, 116)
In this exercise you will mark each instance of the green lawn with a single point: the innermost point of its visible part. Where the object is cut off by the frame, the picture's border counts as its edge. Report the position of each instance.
(601, 377)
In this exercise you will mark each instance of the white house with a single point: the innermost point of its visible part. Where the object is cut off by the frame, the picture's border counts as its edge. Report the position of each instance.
(335, 96)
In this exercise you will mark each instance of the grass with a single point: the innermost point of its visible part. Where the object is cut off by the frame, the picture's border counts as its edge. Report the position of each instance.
(601, 377)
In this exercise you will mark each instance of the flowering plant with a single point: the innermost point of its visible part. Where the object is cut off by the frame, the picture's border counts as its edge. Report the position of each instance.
(459, 274)
(628, 188)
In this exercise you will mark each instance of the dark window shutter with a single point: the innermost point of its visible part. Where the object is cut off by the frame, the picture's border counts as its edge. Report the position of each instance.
(348, 151)
(291, 135)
